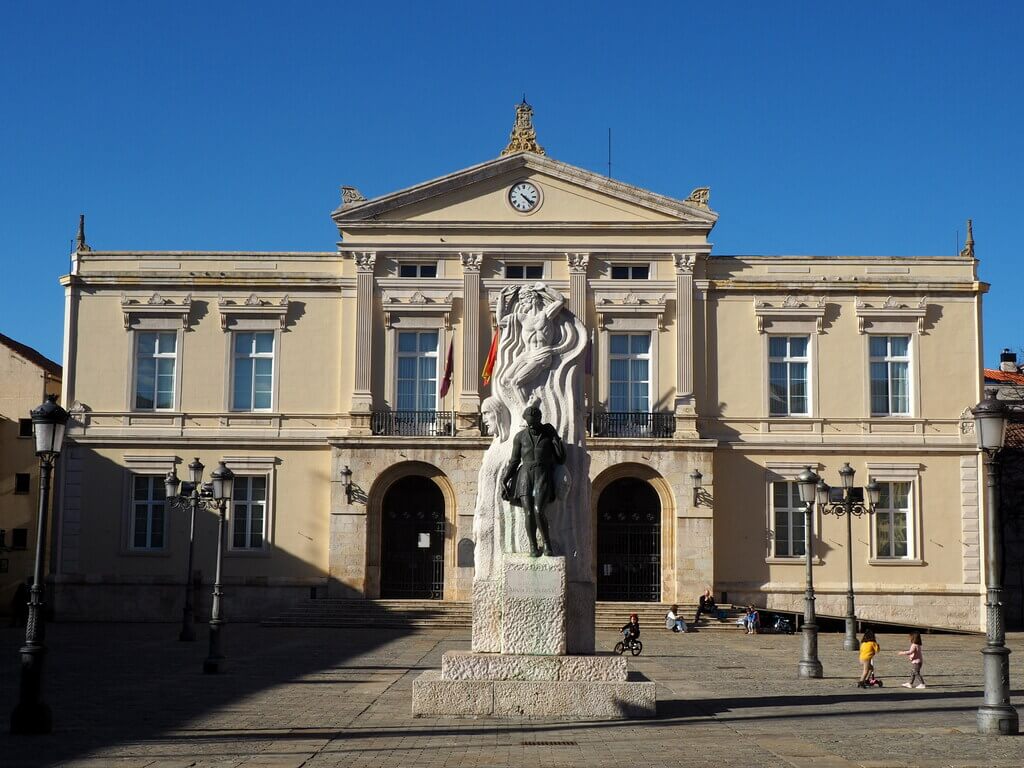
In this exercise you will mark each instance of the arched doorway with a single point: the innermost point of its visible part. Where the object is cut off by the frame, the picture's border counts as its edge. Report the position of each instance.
(412, 540)
(629, 542)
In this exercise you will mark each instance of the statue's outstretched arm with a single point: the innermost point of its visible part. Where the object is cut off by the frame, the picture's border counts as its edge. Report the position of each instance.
(556, 299)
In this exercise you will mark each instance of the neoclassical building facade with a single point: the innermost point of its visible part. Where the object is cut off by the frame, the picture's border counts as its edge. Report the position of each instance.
(320, 379)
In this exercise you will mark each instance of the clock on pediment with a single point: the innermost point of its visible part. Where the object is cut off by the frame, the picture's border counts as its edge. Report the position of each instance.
(524, 196)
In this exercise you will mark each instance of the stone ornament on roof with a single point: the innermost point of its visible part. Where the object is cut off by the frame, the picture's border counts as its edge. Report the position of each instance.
(523, 137)
(700, 196)
(351, 196)
(967, 251)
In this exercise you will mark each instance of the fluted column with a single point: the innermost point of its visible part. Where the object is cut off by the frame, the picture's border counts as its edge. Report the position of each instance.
(362, 390)
(578, 283)
(469, 397)
(684, 405)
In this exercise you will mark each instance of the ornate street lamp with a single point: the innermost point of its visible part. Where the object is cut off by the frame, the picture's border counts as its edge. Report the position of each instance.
(852, 502)
(194, 496)
(696, 480)
(346, 483)
(809, 666)
(32, 715)
(996, 716)
(223, 481)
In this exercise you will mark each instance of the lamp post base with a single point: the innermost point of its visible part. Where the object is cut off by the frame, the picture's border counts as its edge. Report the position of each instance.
(850, 641)
(32, 718)
(998, 721)
(810, 669)
(213, 665)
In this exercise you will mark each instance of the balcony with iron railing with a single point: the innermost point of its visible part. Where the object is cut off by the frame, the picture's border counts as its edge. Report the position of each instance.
(412, 423)
(635, 424)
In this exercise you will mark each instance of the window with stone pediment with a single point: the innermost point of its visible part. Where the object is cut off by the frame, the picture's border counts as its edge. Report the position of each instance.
(629, 372)
(788, 375)
(156, 358)
(252, 371)
(416, 370)
(148, 512)
(890, 375)
(249, 512)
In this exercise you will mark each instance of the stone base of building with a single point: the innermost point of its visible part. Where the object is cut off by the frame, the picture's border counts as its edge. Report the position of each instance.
(532, 687)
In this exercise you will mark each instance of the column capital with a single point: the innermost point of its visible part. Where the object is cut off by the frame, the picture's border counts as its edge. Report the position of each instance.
(365, 260)
(684, 262)
(577, 261)
(471, 261)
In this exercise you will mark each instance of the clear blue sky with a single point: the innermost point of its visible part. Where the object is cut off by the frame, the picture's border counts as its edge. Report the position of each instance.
(871, 128)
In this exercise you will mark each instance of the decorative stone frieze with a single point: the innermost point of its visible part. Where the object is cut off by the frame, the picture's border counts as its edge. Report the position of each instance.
(789, 310)
(134, 309)
(232, 310)
(893, 314)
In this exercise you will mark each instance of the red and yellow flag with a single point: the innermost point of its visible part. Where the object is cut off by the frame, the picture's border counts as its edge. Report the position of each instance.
(491, 356)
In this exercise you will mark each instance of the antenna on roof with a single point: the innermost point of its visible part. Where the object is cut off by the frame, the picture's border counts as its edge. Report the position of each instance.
(609, 152)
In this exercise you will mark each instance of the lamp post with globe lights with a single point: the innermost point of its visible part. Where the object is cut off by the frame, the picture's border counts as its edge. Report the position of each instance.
(32, 714)
(221, 485)
(850, 503)
(996, 716)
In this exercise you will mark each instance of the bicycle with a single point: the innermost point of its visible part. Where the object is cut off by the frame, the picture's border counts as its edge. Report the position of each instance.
(632, 644)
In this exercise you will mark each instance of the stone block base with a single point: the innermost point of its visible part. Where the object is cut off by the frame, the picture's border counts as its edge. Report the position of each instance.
(464, 665)
(433, 696)
(533, 605)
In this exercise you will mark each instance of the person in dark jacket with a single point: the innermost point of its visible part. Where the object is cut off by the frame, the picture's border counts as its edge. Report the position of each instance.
(706, 604)
(631, 631)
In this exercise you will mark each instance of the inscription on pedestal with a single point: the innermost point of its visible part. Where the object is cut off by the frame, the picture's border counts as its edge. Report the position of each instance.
(533, 605)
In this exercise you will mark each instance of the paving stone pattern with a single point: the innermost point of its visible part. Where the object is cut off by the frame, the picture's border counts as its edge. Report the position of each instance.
(131, 696)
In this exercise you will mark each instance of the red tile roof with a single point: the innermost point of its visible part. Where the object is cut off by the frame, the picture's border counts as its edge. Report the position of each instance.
(1004, 377)
(32, 356)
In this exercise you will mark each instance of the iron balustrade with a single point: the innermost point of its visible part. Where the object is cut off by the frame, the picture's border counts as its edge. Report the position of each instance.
(414, 423)
(631, 424)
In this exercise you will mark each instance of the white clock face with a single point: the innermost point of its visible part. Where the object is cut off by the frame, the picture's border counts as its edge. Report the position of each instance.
(524, 196)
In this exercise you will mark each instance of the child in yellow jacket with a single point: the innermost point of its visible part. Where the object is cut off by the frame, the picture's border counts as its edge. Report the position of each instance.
(869, 648)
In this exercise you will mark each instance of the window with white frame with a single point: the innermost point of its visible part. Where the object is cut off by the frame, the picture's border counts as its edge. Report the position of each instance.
(631, 271)
(148, 512)
(788, 375)
(416, 371)
(249, 512)
(252, 371)
(417, 270)
(893, 517)
(890, 375)
(789, 520)
(629, 372)
(155, 360)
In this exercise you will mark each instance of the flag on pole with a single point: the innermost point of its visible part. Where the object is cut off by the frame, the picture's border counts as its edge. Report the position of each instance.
(492, 354)
(448, 370)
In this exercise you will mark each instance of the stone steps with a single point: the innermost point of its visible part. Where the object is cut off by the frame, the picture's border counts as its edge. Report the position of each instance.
(436, 614)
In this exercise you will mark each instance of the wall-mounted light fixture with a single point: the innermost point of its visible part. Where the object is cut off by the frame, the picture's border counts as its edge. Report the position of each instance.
(696, 477)
(346, 483)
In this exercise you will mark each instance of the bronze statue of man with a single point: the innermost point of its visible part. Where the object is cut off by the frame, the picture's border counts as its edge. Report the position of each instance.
(528, 481)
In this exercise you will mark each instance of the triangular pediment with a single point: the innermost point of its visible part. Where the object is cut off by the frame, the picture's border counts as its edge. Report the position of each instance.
(569, 195)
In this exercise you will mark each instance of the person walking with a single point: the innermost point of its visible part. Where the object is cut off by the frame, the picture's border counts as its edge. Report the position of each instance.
(869, 648)
(916, 658)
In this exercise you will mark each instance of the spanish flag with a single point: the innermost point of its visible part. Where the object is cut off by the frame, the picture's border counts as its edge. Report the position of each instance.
(491, 356)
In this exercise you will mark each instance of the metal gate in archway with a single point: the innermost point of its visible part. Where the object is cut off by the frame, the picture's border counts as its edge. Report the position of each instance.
(412, 540)
(629, 542)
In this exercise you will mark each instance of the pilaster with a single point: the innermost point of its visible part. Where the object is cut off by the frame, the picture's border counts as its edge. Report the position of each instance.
(362, 391)
(686, 416)
(578, 263)
(469, 397)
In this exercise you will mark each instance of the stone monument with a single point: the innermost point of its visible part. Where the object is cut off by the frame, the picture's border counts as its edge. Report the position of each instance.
(533, 584)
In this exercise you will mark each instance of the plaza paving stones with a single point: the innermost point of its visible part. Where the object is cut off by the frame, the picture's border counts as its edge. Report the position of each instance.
(131, 696)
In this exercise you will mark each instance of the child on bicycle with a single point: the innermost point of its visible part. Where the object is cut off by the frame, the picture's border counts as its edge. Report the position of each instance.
(631, 631)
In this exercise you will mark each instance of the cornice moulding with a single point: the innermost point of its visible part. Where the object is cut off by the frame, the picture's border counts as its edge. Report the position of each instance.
(253, 306)
(155, 305)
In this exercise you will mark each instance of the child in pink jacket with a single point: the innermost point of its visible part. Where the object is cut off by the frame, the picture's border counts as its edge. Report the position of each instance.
(915, 657)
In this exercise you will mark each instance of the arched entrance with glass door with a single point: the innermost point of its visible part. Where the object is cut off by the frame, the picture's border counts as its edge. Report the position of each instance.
(412, 540)
(629, 542)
